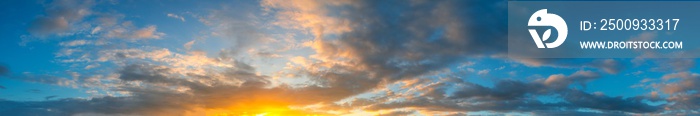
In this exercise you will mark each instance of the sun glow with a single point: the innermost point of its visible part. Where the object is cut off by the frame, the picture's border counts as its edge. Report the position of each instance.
(262, 114)
(258, 108)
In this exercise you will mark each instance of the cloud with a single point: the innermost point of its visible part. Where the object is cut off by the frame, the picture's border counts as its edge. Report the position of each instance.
(104, 105)
(88, 67)
(688, 81)
(50, 97)
(371, 39)
(113, 25)
(161, 92)
(601, 102)
(679, 89)
(243, 31)
(517, 96)
(74, 43)
(47, 25)
(60, 16)
(125, 32)
(148, 32)
(148, 77)
(4, 70)
(608, 65)
(483, 72)
(176, 17)
(189, 44)
(263, 54)
(397, 113)
(45, 79)
(581, 77)
(611, 66)
(70, 18)
(674, 64)
(358, 48)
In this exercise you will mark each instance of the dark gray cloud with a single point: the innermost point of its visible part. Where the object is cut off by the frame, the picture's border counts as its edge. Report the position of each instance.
(4, 70)
(577, 113)
(505, 96)
(397, 113)
(518, 96)
(102, 105)
(147, 73)
(28, 77)
(612, 66)
(205, 91)
(152, 100)
(414, 39)
(606, 103)
(503, 90)
(50, 97)
(43, 78)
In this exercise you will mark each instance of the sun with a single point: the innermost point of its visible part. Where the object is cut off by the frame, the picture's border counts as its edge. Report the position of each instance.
(262, 114)
(255, 109)
(258, 106)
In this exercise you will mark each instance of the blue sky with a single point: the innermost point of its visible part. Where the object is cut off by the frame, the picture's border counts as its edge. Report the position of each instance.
(278, 57)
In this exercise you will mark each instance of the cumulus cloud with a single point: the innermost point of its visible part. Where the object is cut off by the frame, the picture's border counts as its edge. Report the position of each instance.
(369, 39)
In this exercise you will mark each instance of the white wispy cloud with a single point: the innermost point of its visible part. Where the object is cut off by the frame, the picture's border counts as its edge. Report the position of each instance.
(176, 17)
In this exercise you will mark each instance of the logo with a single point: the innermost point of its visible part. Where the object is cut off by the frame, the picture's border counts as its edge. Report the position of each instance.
(542, 18)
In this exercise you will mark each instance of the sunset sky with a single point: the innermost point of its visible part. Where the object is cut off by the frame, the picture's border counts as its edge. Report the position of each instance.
(308, 57)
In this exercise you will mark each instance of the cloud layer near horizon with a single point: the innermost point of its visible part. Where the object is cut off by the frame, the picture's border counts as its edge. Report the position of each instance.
(324, 57)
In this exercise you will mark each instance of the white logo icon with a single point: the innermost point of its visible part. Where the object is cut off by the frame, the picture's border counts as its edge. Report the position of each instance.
(542, 18)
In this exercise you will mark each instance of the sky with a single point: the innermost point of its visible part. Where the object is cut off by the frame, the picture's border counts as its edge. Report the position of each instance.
(309, 57)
